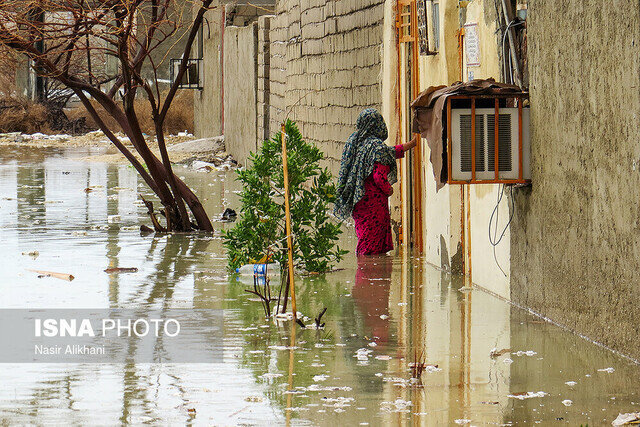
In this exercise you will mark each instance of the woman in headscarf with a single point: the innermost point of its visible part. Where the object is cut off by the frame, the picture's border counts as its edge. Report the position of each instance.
(367, 171)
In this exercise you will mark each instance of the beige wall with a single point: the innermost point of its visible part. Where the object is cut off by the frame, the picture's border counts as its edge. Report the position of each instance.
(207, 112)
(454, 210)
(240, 90)
(575, 242)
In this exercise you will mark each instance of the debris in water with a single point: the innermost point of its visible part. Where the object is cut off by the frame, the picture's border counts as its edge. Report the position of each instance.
(121, 270)
(567, 402)
(607, 370)
(462, 421)
(398, 405)
(362, 354)
(61, 276)
(497, 353)
(525, 353)
(320, 378)
(32, 254)
(507, 360)
(373, 344)
(384, 316)
(571, 383)
(383, 357)
(630, 418)
(229, 215)
(318, 319)
(527, 395)
(490, 403)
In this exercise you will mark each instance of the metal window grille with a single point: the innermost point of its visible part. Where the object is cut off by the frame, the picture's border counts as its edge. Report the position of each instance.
(192, 77)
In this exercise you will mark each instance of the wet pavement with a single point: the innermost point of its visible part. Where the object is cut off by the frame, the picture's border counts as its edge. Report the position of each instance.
(384, 313)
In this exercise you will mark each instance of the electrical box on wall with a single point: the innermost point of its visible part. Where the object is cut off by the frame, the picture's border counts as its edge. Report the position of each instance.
(473, 155)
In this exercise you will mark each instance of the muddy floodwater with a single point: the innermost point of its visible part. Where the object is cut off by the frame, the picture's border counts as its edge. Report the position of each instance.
(383, 313)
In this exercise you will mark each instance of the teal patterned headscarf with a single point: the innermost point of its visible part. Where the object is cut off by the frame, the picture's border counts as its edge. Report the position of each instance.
(363, 149)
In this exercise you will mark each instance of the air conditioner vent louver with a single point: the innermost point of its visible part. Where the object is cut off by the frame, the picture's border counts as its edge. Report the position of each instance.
(465, 142)
(508, 145)
(504, 141)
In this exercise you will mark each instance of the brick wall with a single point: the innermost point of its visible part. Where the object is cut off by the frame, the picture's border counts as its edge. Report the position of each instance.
(325, 67)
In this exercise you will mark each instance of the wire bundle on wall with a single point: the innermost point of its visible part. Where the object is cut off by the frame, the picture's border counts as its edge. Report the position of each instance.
(493, 238)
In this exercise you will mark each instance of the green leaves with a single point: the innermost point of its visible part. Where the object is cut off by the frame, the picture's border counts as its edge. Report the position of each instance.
(261, 224)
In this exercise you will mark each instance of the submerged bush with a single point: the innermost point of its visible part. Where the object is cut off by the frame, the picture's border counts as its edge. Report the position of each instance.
(260, 228)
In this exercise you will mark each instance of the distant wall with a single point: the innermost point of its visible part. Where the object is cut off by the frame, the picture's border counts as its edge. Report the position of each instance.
(240, 87)
(575, 241)
(207, 111)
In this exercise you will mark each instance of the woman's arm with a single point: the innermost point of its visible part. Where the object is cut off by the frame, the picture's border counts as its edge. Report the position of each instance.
(401, 148)
(409, 145)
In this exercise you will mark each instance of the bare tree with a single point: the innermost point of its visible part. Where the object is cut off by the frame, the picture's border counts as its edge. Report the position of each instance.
(67, 39)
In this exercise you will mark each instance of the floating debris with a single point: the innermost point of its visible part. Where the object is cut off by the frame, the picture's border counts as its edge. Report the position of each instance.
(398, 405)
(317, 387)
(32, 254)
(115, 270)
(607, 370)
(383, 357)
(528, 395)
(525, 353)
(362, 354)
(229, 215)
(61, 276)
(567, 402)
(462, 421)
(494, 353)
(320, 378)
(624, 419)
(571, 383)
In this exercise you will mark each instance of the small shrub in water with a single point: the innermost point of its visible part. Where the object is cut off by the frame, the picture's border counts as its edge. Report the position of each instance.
(260, 228)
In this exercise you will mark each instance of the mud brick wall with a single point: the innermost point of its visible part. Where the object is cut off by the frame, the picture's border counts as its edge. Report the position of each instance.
(325, 67)
(264, 72)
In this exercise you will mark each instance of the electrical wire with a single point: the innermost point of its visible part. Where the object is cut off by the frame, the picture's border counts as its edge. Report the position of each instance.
(508, 65)
(493, 239)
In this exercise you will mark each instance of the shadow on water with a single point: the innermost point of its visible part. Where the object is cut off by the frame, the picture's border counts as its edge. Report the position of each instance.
(383, 313)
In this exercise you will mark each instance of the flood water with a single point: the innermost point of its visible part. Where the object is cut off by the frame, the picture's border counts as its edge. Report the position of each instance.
(383, 314)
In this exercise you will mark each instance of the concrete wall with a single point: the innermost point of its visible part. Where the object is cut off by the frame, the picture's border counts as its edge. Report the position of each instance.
(207, 103)
(575, 246)
(240, 87)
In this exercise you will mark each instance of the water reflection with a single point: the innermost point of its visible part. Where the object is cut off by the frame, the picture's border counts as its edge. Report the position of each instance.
(371, 294)
(383, 313)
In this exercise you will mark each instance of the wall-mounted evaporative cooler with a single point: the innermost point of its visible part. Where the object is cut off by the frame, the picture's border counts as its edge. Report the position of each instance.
(488, 139)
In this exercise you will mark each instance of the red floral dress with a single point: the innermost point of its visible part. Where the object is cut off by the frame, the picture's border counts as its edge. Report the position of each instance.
(371, 213)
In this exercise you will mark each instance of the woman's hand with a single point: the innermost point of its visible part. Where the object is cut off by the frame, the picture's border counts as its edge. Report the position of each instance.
(409, 145)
